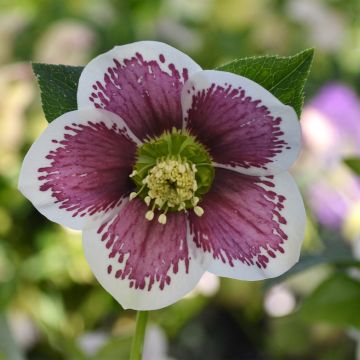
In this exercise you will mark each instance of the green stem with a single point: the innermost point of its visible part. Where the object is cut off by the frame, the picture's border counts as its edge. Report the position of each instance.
(138, 340)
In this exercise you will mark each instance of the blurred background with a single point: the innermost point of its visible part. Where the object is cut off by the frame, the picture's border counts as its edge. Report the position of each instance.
(50, 305)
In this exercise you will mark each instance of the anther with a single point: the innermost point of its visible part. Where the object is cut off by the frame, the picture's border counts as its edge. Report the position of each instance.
(162, 219)
(149, 215)
(134, 172)
(199, 211)
(133, 195)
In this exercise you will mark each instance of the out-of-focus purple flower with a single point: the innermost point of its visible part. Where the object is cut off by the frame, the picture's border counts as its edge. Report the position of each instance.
(328, 204)
(341, 106)
(331, 122)
(331, 131)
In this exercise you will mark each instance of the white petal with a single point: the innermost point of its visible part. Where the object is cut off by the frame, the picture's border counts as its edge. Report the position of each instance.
(76, 154)
(252, 227)
(142, 263)
(141, 82)
(244, 126)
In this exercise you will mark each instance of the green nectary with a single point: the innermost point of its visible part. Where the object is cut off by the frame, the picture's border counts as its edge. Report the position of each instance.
(179, 154)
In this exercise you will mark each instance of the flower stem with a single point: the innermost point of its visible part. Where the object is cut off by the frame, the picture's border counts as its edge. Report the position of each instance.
(138, 340)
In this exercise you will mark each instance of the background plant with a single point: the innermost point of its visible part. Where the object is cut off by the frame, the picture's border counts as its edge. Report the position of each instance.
(54, 307)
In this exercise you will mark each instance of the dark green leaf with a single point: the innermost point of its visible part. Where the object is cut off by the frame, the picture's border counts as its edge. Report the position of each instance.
(335, 301)
(284, 77)
(58, 86)
(354, 164)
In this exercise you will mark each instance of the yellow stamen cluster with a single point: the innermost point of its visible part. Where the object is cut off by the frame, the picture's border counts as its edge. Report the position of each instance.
(171, 185)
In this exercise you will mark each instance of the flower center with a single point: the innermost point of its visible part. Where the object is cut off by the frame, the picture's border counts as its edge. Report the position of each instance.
(172, 173)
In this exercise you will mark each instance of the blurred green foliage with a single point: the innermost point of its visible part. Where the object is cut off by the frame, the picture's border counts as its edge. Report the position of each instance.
(50, 304)
(334, 301)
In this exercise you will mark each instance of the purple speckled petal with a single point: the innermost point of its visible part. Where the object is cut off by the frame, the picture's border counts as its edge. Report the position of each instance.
(141, 82)
(144, 265)
(78, 169)
(243, 125)
(252, 227)
(331, 207)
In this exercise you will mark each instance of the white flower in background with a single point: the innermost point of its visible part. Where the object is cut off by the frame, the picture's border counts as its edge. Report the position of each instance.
(66, 42)
(155, 344)
(189, 9)
(12, 23)
(17, 92)
(24, 329)
(325, 26)
(279, 301)
(91, 342)
(178, 34)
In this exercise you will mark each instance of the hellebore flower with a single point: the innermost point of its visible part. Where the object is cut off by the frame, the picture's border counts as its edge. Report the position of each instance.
(170, 171)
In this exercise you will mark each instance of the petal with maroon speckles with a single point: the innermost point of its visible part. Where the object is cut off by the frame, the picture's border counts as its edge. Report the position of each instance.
(78, 169)
(252, 227)
(144, 265)
(141, 82)
(243, 125)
